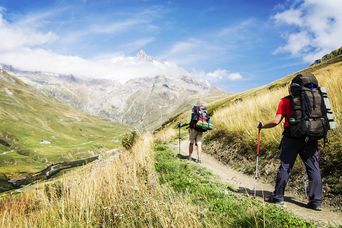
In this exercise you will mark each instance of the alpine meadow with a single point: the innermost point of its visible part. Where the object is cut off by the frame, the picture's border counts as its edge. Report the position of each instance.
(170, 113)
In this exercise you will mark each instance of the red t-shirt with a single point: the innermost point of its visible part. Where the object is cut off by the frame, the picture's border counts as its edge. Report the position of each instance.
(285, 109)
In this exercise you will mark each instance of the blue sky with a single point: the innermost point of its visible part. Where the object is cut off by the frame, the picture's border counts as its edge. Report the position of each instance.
(235, 45)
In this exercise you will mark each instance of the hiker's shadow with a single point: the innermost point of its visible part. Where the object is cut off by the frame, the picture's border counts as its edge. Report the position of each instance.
(185, 157)
(266, 194)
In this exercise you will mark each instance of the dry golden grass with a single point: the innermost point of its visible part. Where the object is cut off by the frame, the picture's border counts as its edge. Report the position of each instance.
(331, 77)
(119, 192)
(243, 116)
(165, 135)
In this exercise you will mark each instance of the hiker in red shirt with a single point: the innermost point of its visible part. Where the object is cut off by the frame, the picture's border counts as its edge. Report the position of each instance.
(290, 148)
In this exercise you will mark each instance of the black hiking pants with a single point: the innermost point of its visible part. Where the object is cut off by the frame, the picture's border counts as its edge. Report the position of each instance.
(309, 154)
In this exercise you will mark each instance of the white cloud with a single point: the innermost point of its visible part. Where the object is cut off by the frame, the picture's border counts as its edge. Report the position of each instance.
(318, 26)
(119, 68)
(23, 47)
(291, 17)
(14, 36)
(234, 76)
(296, 44)
(220, 74)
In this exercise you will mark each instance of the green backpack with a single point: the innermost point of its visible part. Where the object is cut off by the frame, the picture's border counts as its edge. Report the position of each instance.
(200, 119)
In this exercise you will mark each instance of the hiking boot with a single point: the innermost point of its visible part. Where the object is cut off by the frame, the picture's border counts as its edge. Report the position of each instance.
(189, 158)
(274, 201)
(314, 207)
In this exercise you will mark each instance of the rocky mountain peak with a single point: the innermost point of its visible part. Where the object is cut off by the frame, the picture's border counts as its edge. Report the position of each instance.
(142, 55)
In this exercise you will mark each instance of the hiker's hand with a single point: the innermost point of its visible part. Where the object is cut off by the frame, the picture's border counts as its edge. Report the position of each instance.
(179, 125)
(259, 125)
(184, 124)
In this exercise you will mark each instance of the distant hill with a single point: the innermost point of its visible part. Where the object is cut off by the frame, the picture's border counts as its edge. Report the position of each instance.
(37, 130)
(335, 55)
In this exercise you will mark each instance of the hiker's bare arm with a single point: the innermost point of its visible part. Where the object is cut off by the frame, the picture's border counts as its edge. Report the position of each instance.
(273, 122)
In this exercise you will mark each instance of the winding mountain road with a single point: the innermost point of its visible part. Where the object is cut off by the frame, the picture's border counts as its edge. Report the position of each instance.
(245, 184)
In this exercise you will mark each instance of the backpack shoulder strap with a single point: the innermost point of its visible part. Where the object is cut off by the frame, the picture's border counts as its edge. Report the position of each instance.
(288, 97)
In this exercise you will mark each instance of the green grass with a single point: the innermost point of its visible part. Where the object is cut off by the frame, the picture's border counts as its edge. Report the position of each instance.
(221, 207)
(28, 117)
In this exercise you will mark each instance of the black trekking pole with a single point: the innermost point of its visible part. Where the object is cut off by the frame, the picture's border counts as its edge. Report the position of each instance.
(257, 158)
(179, 127)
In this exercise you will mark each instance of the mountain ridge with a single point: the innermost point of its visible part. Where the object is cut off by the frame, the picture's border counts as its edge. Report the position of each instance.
(128, 102)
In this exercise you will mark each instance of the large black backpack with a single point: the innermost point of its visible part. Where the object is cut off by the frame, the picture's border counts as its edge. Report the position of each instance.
(309, 113)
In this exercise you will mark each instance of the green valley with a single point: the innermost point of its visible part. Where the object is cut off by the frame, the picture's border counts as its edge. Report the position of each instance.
(36, 130)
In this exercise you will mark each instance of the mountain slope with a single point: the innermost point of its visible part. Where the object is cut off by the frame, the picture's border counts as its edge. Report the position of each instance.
(36, 130)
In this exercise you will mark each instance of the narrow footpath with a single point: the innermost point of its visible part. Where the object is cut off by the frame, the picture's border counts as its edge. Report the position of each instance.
(245, 184)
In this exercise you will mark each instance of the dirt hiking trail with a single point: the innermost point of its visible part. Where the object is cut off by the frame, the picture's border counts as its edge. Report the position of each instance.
(245, 184)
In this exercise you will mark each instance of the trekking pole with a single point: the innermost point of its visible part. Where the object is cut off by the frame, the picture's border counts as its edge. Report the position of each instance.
(257, 158)
(305, 181)
(179, 127)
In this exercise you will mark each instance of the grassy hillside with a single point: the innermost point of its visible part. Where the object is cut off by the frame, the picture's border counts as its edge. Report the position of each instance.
(233, 141)
(332, 55)
(27, 118)
(134, 190)
(118, 192)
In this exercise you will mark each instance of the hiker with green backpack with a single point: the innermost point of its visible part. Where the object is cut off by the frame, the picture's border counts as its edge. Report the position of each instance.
(199, 123)
(306, 121)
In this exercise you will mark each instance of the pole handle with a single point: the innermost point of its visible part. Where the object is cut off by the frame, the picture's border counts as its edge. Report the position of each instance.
(258, 145)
